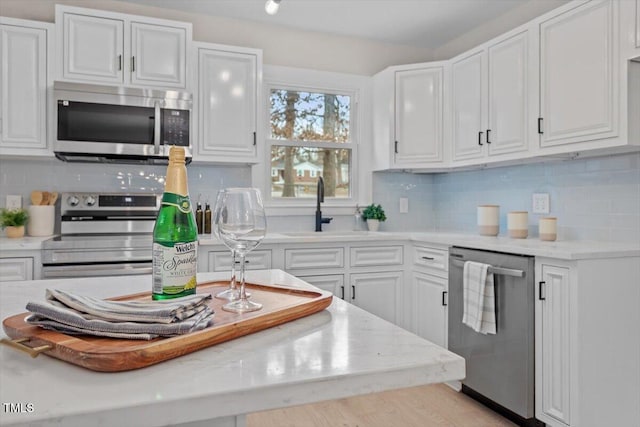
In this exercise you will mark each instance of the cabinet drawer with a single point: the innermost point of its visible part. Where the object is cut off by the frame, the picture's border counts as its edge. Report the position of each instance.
(255, 260)
(330, 282)
(435, 261)
(16, 269)
(314, 258)
(378, 255)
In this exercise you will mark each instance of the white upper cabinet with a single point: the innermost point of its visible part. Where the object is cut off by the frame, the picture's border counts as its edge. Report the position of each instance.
(468, 120)
(93, 48)
(579, 75)
(113, 48)
(409, 116)
(158, 55)
(24, 79)
(418, 116)
(492, 94)
(226, 101)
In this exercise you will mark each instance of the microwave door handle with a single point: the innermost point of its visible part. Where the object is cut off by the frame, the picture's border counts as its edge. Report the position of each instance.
(156, 128)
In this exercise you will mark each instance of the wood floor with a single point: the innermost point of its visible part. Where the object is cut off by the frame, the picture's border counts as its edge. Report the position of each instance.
(434, 405)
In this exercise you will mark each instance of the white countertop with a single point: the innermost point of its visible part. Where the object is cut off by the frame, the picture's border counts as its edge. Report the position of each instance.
(569, 250)
(26, 243)
(339, 352)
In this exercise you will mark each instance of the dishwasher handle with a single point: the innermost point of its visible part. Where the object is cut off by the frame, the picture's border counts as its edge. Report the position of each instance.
(495, 270)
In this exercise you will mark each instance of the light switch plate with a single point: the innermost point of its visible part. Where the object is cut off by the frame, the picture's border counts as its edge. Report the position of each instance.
(404, 205)
(540, 203)
(14, 202)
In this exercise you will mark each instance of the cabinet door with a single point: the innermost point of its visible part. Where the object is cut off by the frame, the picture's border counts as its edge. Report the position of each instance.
(24, 86)
(578, 75)
(553, 351)
(418, 116)
(333, 283)
(158, 55)
(16, 269)
(227, 100)
(468, 120)
(508, 95)
(378, 293)
(429, 307)
(92, 48)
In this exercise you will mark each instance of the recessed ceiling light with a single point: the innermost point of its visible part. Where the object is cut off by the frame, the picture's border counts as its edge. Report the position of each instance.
(272, 6)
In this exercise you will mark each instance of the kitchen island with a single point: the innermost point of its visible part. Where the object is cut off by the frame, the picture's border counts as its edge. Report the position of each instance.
(339, 352)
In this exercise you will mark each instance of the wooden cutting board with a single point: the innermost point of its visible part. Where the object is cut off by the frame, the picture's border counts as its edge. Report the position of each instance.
(280, 305)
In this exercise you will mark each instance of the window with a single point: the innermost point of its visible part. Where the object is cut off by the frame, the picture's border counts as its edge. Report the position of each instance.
(310, 135)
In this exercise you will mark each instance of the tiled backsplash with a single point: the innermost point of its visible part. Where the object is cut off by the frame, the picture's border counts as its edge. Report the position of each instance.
(597, 198)
(18, 176)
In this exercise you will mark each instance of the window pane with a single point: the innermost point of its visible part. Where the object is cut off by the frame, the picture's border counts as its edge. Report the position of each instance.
(294, 171)
(308, 116)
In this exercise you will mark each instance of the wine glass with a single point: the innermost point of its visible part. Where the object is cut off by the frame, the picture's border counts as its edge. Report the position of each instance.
(232, 292)
(241, 224)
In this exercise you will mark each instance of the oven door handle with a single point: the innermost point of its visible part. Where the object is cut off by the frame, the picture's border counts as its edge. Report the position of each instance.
(68, 271)
(495, 270)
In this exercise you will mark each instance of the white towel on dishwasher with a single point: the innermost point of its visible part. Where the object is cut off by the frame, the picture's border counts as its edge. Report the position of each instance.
(479, 311)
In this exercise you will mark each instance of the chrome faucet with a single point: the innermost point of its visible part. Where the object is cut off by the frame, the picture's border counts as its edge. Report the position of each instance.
(320, 199)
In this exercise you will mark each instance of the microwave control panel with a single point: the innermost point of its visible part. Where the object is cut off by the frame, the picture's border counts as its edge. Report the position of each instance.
(175, 127)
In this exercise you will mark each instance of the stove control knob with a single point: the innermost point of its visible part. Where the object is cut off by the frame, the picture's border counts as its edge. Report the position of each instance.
(73, 201)
(89, 201)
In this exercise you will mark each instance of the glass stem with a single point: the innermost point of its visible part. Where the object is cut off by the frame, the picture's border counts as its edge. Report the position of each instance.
(243, 294)
(232, 283)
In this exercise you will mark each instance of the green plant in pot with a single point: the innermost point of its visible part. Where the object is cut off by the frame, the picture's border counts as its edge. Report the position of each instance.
(374, 215)
(14, 220)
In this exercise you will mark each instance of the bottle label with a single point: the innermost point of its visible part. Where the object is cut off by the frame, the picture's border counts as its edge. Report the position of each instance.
(174, 268)
(181, 202)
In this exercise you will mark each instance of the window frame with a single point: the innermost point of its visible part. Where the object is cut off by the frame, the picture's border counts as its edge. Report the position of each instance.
(353, 144)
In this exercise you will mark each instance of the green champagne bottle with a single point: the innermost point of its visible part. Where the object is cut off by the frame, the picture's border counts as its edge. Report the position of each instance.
(175, 235)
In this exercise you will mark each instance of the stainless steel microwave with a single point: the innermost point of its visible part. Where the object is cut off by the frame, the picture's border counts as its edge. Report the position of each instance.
(113, 124)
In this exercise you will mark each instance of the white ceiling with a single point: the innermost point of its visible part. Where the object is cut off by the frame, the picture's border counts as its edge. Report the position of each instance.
(420, 23)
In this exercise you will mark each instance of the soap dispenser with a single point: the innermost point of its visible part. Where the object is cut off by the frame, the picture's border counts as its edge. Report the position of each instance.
(199, 216)
(357, 219)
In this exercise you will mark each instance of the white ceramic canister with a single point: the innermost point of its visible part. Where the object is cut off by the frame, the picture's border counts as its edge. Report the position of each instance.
(41, 220)
(518, 224)
(488, 220)
(548, 229)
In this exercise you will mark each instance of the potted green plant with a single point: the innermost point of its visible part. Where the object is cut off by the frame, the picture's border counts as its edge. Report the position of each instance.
(14, 221)
(373, 214)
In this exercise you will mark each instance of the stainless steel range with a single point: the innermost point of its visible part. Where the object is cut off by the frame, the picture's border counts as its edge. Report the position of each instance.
(102, 234)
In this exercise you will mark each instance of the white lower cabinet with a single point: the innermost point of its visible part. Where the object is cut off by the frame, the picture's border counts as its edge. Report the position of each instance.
(333, 283)
(586, 342)
(378, 293)
(255, 260)
(429, 299)
(553, 345)
(429, 293)
(16, 269)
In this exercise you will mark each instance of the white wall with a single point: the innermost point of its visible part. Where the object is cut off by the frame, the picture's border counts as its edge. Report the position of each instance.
(281, 46)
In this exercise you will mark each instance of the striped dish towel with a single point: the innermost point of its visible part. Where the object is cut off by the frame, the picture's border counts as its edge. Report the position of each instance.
(478, 298)
(75, 314)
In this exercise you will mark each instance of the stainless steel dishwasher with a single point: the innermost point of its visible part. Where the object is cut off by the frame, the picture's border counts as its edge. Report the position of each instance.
(500, 367)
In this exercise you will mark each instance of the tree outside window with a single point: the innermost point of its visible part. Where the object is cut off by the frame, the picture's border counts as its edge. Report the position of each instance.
(310, 136)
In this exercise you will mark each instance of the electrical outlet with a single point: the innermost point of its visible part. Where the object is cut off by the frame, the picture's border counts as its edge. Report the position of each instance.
(540, 203)
(14, 202)
(404, 205)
